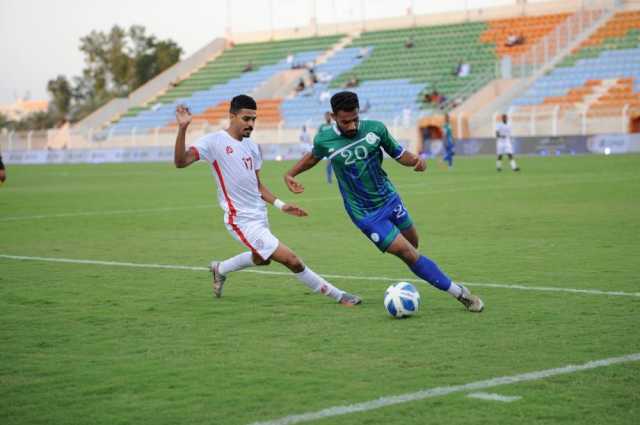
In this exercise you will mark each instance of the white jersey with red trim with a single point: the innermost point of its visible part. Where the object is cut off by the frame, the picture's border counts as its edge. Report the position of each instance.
(234, 164)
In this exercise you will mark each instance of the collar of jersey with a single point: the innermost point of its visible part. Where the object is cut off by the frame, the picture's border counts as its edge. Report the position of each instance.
(228, 136)
(337, 130)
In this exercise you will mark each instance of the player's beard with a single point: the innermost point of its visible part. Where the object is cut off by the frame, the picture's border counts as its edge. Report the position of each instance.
(247, 132)
(349, 134)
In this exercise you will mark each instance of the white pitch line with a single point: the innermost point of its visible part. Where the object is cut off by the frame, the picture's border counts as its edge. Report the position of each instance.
(442, 391)
(494, 397)
(107, 212)
(328, 276)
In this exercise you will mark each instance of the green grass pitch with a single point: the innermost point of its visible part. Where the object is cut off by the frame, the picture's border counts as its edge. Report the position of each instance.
(100, 344)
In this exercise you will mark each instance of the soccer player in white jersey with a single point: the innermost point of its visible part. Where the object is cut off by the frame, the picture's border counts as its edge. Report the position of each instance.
(235, 163)
(503, 144)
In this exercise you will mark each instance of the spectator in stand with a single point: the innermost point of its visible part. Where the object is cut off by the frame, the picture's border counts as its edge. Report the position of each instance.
(409, 43)
(324, 77)
(305, 140)
(365, 108)
(324, 96)
(514, 40)
(363, 52)
(301, 86)
(248, 67)
(312, 76)
(327, 126)
(352, 82)
(463, 69)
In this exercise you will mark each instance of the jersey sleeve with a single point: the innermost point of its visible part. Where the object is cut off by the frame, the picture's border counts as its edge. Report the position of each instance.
(319, 151)
(389, 144)
(257, 156)
(203, 149)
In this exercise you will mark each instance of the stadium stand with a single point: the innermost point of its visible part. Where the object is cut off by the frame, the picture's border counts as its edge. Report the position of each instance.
(222, 78)
(602, 74)
(393, 79)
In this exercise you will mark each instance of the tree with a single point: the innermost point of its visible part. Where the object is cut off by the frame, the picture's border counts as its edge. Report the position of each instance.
(117, 63)
(61, 94)
(122, 60)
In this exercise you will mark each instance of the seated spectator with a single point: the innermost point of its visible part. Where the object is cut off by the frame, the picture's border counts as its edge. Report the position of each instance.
(363, 52)
(365, 108)
(409, 43)
(312, 76)
(514, 40)
(352, 82)
(324, 77)
(457, 69)
(324, 96)
(290, 60)
(463, 69)
(248, 67)
(434, 97)
(304, 137)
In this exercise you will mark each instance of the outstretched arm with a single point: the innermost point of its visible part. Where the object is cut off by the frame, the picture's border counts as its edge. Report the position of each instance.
(181, 157)
(307, 162)
(270, 198)
(409, 159)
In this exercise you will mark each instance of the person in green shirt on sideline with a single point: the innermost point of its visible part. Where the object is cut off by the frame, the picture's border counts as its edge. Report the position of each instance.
(324, 126)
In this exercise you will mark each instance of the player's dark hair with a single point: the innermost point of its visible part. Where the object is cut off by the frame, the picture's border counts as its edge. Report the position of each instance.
(242, 101)
(344, 101)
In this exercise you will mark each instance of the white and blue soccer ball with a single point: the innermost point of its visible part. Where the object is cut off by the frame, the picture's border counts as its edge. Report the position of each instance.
(402, 300)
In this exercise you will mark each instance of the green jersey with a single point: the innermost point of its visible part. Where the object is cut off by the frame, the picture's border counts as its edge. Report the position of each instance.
(357, 163)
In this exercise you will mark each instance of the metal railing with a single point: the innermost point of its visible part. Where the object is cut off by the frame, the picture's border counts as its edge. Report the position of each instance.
(555, 120)
(556, 42)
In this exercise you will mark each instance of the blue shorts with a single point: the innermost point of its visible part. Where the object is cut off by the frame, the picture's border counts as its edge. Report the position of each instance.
(382, 226)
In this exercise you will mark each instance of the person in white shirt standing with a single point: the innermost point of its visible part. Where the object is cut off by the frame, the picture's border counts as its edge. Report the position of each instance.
(235, 163)
(504, 145)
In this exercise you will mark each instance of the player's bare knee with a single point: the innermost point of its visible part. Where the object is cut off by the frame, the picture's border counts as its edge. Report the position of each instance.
(259, 261)
(410, 256)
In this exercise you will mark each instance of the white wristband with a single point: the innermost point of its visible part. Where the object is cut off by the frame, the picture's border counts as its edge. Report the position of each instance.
(278, 204)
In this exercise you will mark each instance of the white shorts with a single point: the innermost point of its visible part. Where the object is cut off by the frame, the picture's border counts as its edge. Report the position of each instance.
(504, 147)
(253, 234)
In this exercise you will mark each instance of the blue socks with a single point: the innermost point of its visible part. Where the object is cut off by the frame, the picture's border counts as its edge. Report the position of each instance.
(426, 269)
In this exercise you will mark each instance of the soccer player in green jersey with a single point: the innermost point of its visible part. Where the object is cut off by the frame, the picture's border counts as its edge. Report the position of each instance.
(355, 148)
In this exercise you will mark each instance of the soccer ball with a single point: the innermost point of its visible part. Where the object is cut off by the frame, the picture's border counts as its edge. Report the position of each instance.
(402, 300)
